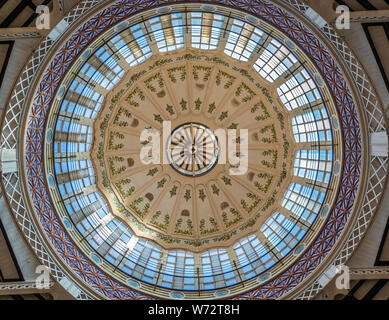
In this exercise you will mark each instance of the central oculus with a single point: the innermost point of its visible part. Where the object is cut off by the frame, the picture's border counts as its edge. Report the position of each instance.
(193, 149)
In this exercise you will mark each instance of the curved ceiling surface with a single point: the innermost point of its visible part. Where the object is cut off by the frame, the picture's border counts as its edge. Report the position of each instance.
(193, 229)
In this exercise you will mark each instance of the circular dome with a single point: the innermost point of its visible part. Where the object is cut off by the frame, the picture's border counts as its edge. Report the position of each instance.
(224, 113)
(198, 225)
(192, 228)
(193, 149)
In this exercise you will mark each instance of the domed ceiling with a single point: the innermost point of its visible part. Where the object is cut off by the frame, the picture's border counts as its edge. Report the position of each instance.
(192, 224)
(196, 204)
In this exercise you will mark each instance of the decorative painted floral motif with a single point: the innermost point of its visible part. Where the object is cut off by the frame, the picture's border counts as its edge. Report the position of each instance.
(217, 60)
(229, 79)
(133, 94)
(273, 134)
(274, 154)
(112, 136)
(268, 180)
(202, 195)
(187, 195)
(140, 212)
(214, 227)
(212, 107)
(198, 104)
(205, 70)
(161, 183)
(152, 172)
(265, 114)
(160, 225)
(223, 116)
(230, 222)
(227, 181)
(158, 118)
(120, 186)
(215, 189)
(170, 109)
(250, 94)
(256, 200)
(117, 120)
(189, 227)
(233, 126)
(184, 104)
(114, 170)
(150, 82)
(173, 191)
(180, 70)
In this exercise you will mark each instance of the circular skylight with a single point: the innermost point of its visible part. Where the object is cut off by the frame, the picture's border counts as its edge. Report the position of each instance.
(192, 149)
